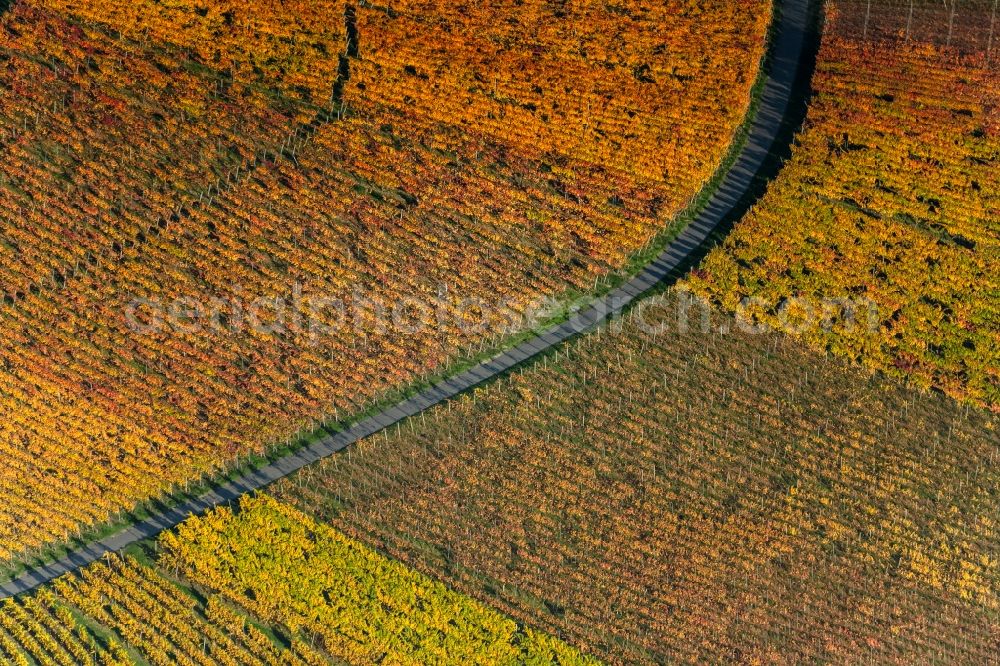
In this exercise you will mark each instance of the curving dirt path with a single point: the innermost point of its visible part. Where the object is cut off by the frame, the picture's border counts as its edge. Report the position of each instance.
(779, 114)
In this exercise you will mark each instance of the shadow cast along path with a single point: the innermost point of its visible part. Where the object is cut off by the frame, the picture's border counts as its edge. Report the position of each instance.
(780, 112)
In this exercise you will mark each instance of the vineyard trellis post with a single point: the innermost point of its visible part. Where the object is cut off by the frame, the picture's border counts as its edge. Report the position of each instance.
(909, 20)
(989, 42)
(951, 21)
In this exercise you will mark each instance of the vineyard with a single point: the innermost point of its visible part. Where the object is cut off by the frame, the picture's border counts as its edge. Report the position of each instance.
(236, 190)
(892, 196)
(672, 493)
(965, 27)
(323, 599)
(287, 48)
(49, 633)
(105, 140)
(163, 625)
(363, 607)
(234, 236)
(631, 88)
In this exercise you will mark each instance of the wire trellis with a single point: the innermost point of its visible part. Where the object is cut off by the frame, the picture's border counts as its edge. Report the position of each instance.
(961, 27)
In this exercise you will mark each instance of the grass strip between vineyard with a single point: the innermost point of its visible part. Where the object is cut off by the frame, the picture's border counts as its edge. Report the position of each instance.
(773, 111)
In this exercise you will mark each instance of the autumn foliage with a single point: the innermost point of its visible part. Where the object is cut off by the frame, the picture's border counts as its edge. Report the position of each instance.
(289, 46)
(633, 87)
(193, 163)
(363, 607)
(105, 140)
(40, 630)
(161, 624)
(119, 612)
(682, 495)
(891, 195)
(262, 586)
